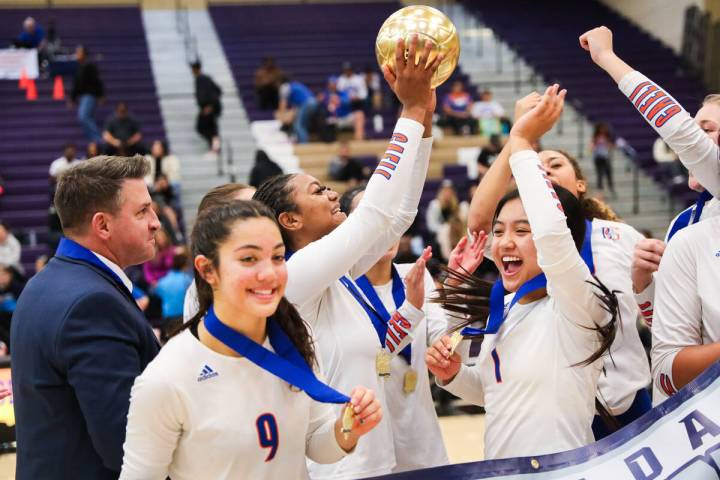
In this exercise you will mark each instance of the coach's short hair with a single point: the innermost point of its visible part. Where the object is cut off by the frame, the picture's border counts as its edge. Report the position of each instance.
(94, 186)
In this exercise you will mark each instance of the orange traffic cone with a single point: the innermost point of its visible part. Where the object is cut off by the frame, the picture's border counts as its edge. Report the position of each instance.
(31, 92)
(23, 83)
(58, 89)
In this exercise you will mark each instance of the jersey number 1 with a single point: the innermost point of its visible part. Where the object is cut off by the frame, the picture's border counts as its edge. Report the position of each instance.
(268, 437)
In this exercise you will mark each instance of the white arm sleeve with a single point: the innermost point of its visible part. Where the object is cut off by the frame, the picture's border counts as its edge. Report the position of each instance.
(467, 385)
(558, 257)
(154, 426)
(694, 148)
(313, 268)
(405, 215)
(646, 303)
(320, 443)
(678, 313)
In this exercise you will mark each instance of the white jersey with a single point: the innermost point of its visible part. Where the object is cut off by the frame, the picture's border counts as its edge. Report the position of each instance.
(353, 85)
(626, 369)
(695, 149)
(345, 339)
(646, 298)
(195, 413)
(416, 432)
(687, 307)
(536, 399)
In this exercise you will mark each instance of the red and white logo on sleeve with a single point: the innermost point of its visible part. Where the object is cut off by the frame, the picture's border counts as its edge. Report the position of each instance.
(646, 310)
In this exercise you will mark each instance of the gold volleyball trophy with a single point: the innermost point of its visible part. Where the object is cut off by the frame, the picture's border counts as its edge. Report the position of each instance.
(431, 25)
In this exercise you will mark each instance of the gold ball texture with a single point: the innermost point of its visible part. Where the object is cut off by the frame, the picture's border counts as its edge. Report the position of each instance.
(431, 25)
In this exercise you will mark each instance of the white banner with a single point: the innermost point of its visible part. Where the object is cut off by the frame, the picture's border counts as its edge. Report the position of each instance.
(14, 60)
(678, 439)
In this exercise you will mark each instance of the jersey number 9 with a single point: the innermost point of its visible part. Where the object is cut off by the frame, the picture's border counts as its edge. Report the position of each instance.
(268, 436)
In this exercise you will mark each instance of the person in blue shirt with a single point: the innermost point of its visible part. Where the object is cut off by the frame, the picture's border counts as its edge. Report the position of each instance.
(32, 35)
(296, 96)
(339, 107)
(171, 290)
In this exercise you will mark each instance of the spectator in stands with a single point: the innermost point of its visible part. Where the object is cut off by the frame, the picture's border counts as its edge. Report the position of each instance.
(353, 84)
(32, 35)
(10, 289)
(456, 110)
(487, 154)
(10, 250)
(297, 106)
(171, 290)
(374, 88)
(87, 91)
(162, 162)
(338, 106)
(122, 133)
(207, 95)
(59, 165)
(602, 145)
(267, 83)
(168, 217)
(345, 168)
(488, 114)
(668, 163)
(92, 150)
(262, 169)
(161, 263)
(443, 218)
(164, 192)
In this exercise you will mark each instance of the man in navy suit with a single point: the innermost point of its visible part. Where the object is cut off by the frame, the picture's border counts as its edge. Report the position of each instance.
(78, 338)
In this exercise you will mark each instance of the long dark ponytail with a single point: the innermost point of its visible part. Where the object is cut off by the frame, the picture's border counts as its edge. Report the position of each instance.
(467, 297)
(212, 227)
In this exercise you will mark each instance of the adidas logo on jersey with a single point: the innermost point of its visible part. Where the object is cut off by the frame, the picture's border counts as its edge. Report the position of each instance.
(207, 373)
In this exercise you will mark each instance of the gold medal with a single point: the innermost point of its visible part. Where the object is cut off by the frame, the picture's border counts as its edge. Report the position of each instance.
(455, 340)
(410, 381)
(348, 418)
(382, 363)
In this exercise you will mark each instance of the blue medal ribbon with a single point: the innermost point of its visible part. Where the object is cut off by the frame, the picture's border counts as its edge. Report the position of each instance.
(71, 249)
(586, 250)
(377, 321)
(691, 215)
(285, 362)
(497, 294)
(497, 304)
(398, 293)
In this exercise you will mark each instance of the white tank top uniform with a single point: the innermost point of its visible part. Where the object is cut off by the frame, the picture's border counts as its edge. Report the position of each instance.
(345, 339)
(626, 370)
(687, 306)
(646, 299)
(536, 400)
(195, 413)
(417, 438)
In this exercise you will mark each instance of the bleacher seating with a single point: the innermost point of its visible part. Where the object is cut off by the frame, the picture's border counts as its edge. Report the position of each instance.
(546, 36)
(34, 133)
(309, 42)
